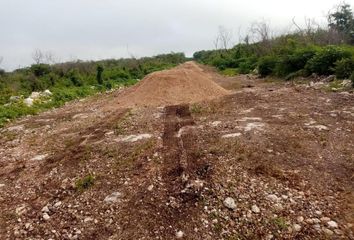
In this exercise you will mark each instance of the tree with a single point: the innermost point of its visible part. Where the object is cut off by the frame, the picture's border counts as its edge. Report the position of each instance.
(37, 56)
(223, 38)
(261, 31)
(342, 21)
(99, 74)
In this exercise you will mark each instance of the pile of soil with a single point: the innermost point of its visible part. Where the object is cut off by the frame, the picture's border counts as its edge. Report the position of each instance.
(186, 83)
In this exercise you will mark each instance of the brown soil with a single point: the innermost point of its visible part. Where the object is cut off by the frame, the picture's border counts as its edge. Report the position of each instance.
(291, 141)
(184, 84)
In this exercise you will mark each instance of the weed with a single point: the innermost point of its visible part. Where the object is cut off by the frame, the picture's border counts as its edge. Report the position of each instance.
(195, 108)
(85, 183)
(280, 223)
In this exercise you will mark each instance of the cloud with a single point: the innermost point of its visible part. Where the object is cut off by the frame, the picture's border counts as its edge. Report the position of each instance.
(97, 29)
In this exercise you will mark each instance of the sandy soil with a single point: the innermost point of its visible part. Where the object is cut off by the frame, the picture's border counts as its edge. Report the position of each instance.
(283, 153)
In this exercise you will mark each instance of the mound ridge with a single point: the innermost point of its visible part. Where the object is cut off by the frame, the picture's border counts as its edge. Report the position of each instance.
(186, 83)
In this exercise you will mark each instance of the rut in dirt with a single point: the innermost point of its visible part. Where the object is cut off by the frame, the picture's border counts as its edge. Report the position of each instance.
(183, 176)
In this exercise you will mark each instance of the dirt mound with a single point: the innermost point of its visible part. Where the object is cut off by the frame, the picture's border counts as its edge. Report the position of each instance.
(185, 83)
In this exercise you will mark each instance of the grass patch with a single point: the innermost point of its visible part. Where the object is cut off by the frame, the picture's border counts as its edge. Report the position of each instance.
(280, 223)
(230, 72)
(85, 183)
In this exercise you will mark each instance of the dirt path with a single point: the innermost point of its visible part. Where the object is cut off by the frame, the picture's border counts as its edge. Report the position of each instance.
(283, 153)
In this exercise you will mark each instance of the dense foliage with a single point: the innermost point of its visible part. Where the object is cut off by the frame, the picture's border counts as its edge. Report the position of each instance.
(322, 51)
(285, 59)
(73, 80)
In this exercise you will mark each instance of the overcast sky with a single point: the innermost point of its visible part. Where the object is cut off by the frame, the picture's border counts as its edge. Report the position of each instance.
(99, 29)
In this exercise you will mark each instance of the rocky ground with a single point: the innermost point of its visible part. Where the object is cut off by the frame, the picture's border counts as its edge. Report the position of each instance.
(272, 160)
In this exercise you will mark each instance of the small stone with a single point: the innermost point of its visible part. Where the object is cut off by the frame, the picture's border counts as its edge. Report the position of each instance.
(332, 224)
(272, 197)
(215, 123)
(150, 187)
(284, 197)
(179, 234)
(278, 207)
(46, 217)
(309, 220)
(2, 185)
(327, 231)
(317, 227)
(318, 213)
(28, 101)
(255, 209)
(88, 219)
(229, 203)
(112, 198)
(300, 219)
(57, 204)
(39, 157)
(231, 135)
(296, 227)
(27, 225)
(21, 209)
(269, 237)
(45, 209)
(316, 220)
(325, 219)
(16, 232)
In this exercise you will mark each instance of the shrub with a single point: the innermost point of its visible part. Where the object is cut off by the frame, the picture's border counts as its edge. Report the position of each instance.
(247, 65)
(99, 78)
(323, 62)
(294, 62)
(352, 79)
(266, 65)
(40, 70)
(75, 77)
(220, 62)
(344, 68)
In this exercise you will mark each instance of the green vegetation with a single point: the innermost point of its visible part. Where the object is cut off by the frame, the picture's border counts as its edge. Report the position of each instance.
(72, 80)
(280, 222)
(285, 60)
(311, 51)
(85, 183)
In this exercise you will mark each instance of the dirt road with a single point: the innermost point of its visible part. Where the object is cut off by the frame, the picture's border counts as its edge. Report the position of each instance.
(281, 154)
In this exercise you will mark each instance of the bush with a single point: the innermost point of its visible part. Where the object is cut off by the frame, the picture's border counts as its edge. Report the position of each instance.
(40, 70)
(75, 77)
(352, 79)
(99, 78)
(266, 65)
(294, 62)
(220, 62)
(247, 65)
(344, 68)
(323, 62)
